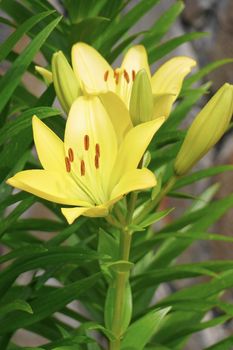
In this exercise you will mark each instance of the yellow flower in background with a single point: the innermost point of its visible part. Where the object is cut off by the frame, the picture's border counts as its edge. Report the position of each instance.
(95, 165)
(206, 130)
(97, 76)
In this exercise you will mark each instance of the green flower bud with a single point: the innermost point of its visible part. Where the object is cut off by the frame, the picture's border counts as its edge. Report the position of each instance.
(141, 102)
(206, 130)
(45, 73)
(66, 84)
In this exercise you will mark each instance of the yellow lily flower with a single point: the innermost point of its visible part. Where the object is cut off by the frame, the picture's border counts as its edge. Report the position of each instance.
(206, 130)
(97, 76)
(94, 167)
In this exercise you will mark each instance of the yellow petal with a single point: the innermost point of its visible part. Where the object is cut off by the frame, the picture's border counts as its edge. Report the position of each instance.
(50, 148)
(89, 119)
(133, 147)
(162, 105)
(133, 180)
(73, 213)
(136, 59)
(118, 114)
(168, 79)
(55, 187)
(90, 68)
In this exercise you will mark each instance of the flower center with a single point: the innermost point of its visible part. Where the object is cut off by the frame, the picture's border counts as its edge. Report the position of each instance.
(86, 146)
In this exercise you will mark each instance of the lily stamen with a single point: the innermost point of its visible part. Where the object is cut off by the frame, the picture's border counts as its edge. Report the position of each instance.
(97, 164)
(68, 165)
(126, 76)
(116, 76)
(82, 167)
(97, 150)
(133, 74)
(86, 142)
(106, 75)
(71, 155)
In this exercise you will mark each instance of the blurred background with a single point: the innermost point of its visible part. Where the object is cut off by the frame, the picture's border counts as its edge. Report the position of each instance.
(216, 18)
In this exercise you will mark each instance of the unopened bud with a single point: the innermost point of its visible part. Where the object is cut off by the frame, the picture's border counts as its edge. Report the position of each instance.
(141, 101)
(45, 73)
(206, 130)
(66, 84)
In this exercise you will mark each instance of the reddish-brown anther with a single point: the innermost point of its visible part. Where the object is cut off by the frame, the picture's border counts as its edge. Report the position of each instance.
(106, 75)
(71, 155)
(97, 150)
(116, 76)
(86, 142)
(82, 167)
(133, 74)
(126, 76)
(97, 163)
(68, 166)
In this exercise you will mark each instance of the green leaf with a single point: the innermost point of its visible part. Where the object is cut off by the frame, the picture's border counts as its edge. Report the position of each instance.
(188, 330)
(121, 266)
(10, 129)
(142, 248)
(66, 233)
(156, 190)
(224, 344)
(109, 309)
(88, 29)
(141, 331)
(203, 290)
(13, 76)
(54, 257)
(47, 304)
(153, 218)
(10, 42)
(216, 208)
(201, 174)
(16, 213)
(24, 251)
(15, 305)
(154, 277)
(162, 50)
(116, 31)
(182, 195)
(117, 51)
(162, 25)
(204, 71)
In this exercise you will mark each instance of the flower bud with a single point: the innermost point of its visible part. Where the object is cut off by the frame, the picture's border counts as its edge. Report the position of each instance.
(206, 130)
(141, 101)
(66, 84)
(45, 73)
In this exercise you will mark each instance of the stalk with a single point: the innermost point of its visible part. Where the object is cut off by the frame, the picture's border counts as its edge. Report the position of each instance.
(122, 277)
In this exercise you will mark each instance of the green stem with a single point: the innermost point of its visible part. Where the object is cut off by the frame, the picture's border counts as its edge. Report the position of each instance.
(122, 277)
(154, 203)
